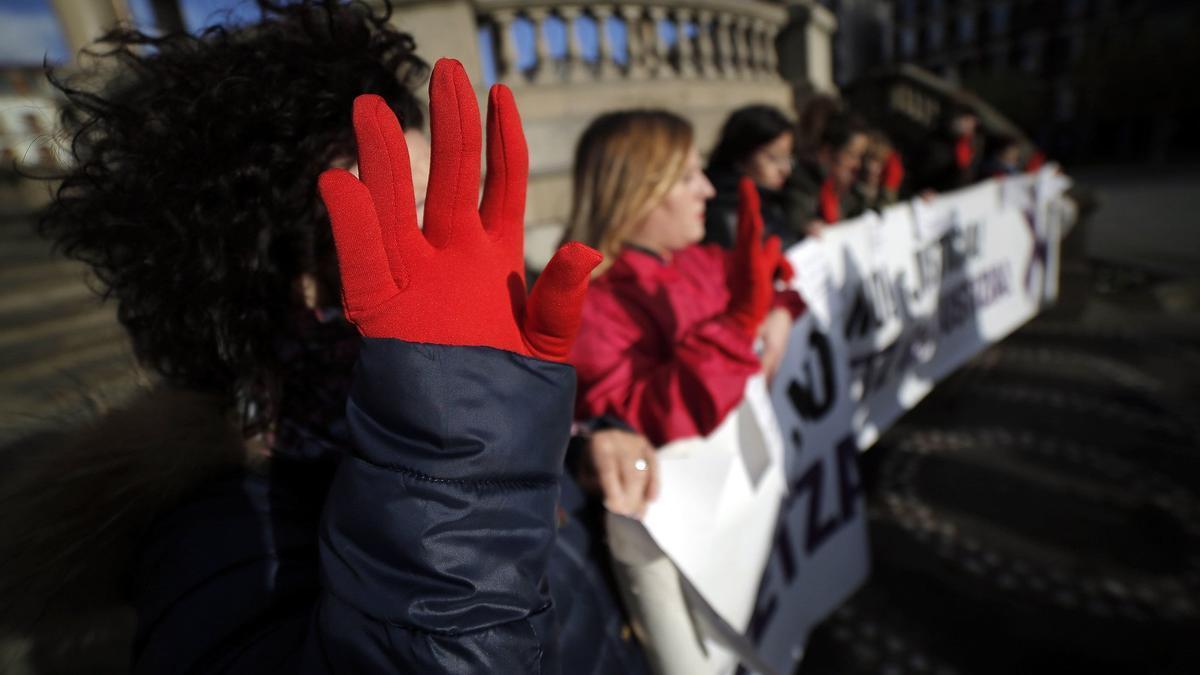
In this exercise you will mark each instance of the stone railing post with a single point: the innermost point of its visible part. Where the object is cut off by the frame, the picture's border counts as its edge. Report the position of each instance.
(507, 68)
(544, 70)
(606, 67)
(771, 56)
(84, 21)
(660, 65)
(741, 42)
(704, 41)
(683, 44)
(635, 40)
(806, 46)
(758, 48)
(576, 68)
(725, 55)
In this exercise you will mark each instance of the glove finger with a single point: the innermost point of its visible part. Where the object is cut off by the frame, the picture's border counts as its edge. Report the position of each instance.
(366, 275)
(384, 169)
(786, 271)
(503, 207)
(772, 253)
(452, 200)
(553, 312)
(750, 223)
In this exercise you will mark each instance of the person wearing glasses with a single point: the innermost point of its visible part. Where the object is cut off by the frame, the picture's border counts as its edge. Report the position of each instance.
(757, 142)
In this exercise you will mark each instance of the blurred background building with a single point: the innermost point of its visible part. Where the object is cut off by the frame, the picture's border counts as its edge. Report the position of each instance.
(1090, 80)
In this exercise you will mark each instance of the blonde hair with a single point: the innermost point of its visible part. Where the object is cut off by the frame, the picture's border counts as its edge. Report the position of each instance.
(625, 164)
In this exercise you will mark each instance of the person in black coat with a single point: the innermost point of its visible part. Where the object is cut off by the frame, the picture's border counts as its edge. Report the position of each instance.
(953, 156)
(757, 142)
(822, 190)
(350, 460)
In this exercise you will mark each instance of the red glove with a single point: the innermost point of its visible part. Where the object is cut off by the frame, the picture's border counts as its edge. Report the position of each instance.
(964, 151)
(462, 280)
(785, 272)
(893, 171)
(1036, 161)
(755, 263)
(830, 203)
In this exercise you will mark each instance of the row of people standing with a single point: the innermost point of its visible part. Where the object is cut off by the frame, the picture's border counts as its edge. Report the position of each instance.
(827, 170)
(830, 166)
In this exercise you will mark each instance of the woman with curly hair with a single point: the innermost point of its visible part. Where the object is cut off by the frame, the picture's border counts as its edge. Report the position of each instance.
(351, 461)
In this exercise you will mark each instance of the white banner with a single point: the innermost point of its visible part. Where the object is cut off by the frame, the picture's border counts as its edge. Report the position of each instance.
(772, 500)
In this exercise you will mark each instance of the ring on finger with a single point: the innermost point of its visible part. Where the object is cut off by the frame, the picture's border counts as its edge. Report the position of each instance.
(640, 464)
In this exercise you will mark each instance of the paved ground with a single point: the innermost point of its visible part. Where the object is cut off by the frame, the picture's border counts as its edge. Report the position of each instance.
(1147, 216)
(1040, 512)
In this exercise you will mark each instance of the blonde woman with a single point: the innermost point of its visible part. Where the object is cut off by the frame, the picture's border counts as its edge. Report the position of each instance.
(669, 326)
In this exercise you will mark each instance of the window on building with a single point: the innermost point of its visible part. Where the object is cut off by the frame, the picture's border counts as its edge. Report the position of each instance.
(908, 43)
(1074, 48)
(1001, 13)
(1031, 55)
(936, 33)
(966, 28)
(999, 59)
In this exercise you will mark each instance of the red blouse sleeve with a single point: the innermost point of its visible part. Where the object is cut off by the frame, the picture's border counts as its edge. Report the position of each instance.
(680, 392)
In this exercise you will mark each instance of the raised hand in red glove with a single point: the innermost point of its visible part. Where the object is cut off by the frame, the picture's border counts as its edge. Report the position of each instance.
(755, 264)
(893, 172)
(462, 280)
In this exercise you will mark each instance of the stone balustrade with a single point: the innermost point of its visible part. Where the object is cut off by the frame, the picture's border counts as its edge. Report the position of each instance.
(631, 41)
(569, 61)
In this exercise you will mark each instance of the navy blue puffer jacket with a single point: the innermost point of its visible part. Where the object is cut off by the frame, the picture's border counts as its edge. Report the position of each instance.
(435, 544)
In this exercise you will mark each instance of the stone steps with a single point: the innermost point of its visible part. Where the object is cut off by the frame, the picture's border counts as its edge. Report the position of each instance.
(60, 345)
(50, 339)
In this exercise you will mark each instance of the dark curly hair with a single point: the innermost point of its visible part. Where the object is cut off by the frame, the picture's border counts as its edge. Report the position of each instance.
(193, 191)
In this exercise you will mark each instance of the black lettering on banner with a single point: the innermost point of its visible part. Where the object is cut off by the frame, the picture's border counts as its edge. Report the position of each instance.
(804, 395)
(862, 318)
(884, 359)
(929, 268)
(787, 561)
(947, 256)
(818, 530)
(875, 369)
(850, 486)
(782, 569)
(819, 527)
(763, 612)
(882, 297)
(962, 302)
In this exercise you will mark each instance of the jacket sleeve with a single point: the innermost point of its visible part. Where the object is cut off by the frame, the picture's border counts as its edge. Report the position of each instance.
(426, 551)
(667, 395)
(436, 534)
